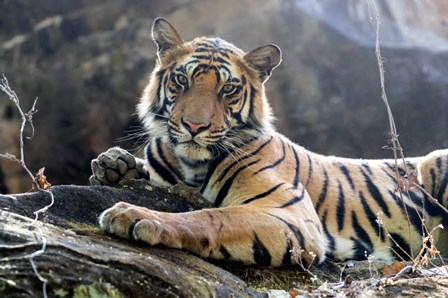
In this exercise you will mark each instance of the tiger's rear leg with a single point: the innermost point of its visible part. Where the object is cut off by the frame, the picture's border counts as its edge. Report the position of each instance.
(433, 175)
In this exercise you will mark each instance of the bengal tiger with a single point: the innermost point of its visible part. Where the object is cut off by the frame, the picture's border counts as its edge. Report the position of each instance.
(277, 204)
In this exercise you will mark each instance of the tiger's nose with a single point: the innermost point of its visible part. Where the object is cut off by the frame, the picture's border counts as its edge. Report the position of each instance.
(195, 128)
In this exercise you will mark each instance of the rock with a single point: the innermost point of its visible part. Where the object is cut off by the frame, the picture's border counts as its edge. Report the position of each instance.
(79, 255)
(88, 62)
(72, 260)
(80, 259)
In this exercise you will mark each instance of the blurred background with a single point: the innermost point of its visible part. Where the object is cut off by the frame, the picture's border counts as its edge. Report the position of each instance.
(89, 60)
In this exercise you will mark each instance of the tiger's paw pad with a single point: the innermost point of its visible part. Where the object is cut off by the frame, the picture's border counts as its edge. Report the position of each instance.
(114, 165)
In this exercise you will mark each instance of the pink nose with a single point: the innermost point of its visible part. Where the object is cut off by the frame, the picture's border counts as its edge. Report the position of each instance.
(195, 128)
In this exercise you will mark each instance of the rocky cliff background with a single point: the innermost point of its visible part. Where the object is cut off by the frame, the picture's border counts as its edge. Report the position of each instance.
(88, 62)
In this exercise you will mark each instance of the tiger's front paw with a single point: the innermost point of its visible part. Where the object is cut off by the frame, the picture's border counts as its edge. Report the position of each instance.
(140, 224)
(114, 165)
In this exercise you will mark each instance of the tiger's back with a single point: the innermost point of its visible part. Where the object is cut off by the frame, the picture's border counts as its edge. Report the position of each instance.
(206, 111)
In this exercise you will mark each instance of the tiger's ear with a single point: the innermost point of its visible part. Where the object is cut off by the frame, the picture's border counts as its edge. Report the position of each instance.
(264, 59)
(165, 36)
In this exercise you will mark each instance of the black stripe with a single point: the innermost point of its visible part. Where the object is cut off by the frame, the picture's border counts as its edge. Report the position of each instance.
(415, 197)
(394, 168)
(172, 90)
(237, 117)
(253, 153)
(262, 257)
(400, 246)
(366, 166)
(375, 193)
(186, 65)
(161, 171)
(409, 194)
(379, 230)
(296, 232)
(243, 84)
(323, 193)
(164, 159)
(203, 57)
(221, 60)
(200, 69)
(244, 100)
(235, 101)
(221, 156)
(360, 252)
(293, 200)
(225, 52)
(223, 67)
(340, 212)
(439, 164)
(157, 106)
(442, 189)
(346, 172)
(412, 214)
(310, 168)
(331, 244)
(297, 169)
(432, 172)
(225, 252)
(212, 167)
(205, 44)
(361, 233)
(194, 163)
(251, 102)
(225, 188)
(393, 178)
(263, 195)
(277, 162)
(431, 208)
(202, 48)
(286, 261)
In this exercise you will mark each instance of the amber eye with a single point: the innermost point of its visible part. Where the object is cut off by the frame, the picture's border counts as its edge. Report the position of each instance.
(228, 89)
(181, 80)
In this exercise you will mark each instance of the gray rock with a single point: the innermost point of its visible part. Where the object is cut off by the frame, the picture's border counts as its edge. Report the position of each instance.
(79, 259)
(79, 255)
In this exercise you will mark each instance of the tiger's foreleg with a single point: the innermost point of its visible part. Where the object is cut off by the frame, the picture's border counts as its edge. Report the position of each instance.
(265, 236)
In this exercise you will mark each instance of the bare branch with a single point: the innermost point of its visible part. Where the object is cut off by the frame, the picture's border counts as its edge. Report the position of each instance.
(26, 117)
(39, 181)
(409, 179)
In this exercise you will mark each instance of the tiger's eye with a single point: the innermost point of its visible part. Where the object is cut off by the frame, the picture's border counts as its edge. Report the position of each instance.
(181, 79)
(228, 88)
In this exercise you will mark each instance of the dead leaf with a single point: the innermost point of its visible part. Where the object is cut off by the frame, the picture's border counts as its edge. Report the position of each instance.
(41, 179)
(348, 281)
(392, 269)
(294, 292)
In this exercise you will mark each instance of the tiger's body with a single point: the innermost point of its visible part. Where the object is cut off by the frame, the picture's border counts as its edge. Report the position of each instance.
(277, 203)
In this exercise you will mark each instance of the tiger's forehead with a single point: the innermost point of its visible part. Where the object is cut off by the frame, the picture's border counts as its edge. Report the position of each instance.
(211, 56)
(216, 46)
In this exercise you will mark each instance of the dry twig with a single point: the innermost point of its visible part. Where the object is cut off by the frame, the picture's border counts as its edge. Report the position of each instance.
(39, 181)
(409, 179)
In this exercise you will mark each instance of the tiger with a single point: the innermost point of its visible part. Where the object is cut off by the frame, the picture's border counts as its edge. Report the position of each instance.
(276, 203)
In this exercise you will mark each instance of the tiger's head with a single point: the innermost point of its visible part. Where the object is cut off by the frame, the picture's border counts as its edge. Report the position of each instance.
(206, 95)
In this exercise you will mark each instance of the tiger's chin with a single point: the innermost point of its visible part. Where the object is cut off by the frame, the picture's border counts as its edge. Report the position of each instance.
(192, 151)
